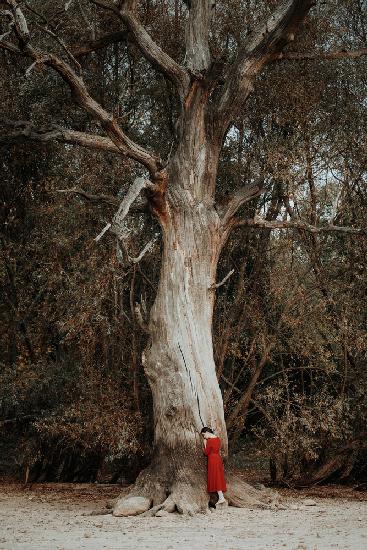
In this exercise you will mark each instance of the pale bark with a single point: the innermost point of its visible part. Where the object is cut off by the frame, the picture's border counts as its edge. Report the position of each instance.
(22, 131)
(132, 194)
(197, 35)
(179, 362)
(223, 281)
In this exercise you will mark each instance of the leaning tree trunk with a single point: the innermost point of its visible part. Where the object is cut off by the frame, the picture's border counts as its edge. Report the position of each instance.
(178, 360)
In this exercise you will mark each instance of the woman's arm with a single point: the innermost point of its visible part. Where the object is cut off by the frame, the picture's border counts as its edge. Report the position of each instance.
(206, 448)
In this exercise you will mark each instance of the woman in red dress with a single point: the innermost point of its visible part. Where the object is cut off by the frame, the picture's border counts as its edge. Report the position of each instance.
(216, 480)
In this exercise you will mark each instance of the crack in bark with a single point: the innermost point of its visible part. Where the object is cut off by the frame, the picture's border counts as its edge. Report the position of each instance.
(192, 386)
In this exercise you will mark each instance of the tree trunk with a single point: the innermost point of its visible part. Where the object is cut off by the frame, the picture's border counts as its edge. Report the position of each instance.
(178, 360)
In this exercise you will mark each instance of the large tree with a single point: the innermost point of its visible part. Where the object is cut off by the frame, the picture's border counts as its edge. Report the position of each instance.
(210, 93)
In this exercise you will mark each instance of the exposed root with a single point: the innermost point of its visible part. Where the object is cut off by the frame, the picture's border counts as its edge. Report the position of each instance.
(183, 490)
(168, 506)
(183, 498)
(243, 495)
(189, 499)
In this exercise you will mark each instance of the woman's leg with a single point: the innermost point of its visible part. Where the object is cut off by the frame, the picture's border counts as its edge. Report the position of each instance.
(221, 497)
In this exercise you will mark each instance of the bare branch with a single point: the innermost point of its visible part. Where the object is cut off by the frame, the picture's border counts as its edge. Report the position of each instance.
(133, 192)
(108, 199)
(154, 53)
(224, 280)
(265, 224)
(20, 22)
(104, 230)
(198, 56)
(240, 197)
(81, 96)
(146, 249)
(26, 131)
(148, 47)
(267, 40)
(299, 56)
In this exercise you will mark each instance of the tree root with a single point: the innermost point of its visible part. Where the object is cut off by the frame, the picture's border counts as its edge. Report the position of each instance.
(243, 495)
(183, 501)
(189, 497)
(184, 498)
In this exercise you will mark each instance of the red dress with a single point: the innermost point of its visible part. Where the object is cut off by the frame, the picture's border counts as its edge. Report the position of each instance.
(216, 480)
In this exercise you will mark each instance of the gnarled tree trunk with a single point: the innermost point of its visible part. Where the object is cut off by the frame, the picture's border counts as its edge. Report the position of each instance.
(178, 360)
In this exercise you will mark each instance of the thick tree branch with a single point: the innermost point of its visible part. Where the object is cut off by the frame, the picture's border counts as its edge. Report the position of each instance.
(25, 131)
(154, 53)
(198, 56)
(81, 96)
(267, 40)
(301, 56)
(133, 192)
(240, 197)
(265, 224)
(148, 47)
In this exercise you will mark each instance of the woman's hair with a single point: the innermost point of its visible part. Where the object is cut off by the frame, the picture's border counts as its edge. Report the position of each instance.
(206, 429)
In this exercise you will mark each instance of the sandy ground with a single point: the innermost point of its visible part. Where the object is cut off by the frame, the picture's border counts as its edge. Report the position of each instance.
(56, 516)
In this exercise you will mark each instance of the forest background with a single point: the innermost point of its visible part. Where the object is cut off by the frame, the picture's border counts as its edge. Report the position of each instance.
(290, 333)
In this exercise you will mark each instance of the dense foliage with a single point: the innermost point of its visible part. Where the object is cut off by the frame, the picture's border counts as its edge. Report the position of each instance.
(290, 328)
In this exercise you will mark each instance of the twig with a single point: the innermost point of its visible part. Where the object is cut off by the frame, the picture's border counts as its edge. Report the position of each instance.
(100, 235)
(214, 286)
(146, 248)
